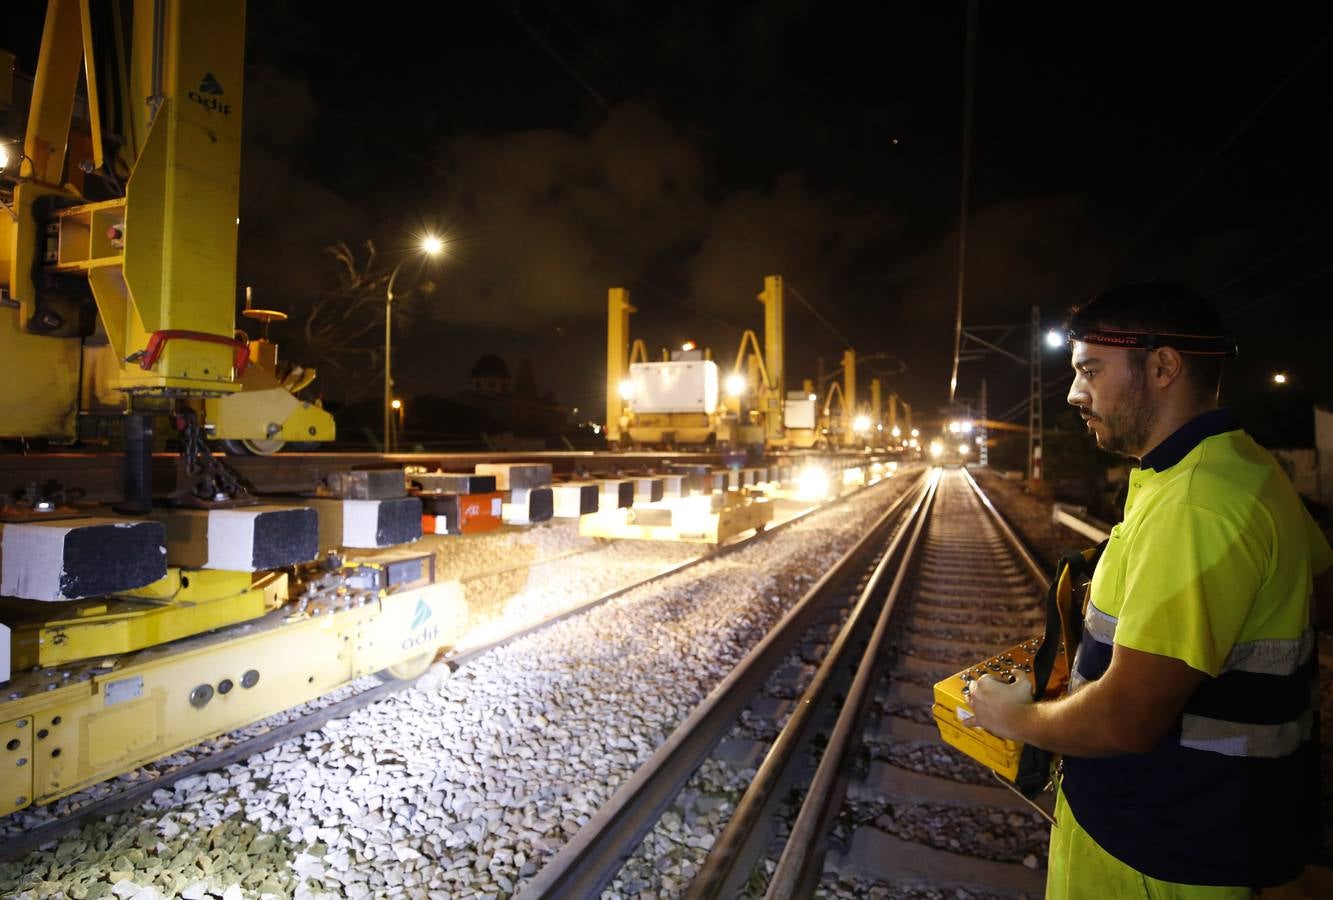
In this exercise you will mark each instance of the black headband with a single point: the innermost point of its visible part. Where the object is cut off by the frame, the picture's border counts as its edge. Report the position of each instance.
(1198, 344)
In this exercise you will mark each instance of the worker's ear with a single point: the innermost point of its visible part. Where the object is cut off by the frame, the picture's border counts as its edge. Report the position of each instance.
(1164, 366)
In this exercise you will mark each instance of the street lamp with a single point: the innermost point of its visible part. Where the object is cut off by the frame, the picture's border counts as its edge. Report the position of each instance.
(431, 246)
(1279, 378)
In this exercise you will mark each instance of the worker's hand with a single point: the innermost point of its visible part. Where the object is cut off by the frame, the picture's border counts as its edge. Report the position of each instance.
(997, 706)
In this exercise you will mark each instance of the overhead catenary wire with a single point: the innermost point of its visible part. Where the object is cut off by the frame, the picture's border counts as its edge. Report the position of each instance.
(1207, 164)
(554, 54)
(969, 98)
(591, 47)
(825, 322)
(1300, 282)
(686, 305)
(1249, 270)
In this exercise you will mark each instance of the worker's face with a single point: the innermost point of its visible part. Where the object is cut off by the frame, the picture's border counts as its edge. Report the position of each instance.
(1111, 393)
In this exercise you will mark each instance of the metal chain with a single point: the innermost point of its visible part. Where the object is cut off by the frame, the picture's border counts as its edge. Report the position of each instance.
(211, 478)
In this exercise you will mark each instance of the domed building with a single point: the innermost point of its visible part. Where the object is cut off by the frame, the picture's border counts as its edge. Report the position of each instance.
(491, 376)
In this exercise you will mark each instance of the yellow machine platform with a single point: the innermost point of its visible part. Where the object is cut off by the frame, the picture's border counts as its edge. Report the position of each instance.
(703, 519)
(62, 730)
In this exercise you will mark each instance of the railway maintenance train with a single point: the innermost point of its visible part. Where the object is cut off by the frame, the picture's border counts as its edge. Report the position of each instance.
(149, 601)
(131, 632)
(685, 399)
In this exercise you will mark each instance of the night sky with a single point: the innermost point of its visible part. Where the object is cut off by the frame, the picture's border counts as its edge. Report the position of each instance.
(685, 150)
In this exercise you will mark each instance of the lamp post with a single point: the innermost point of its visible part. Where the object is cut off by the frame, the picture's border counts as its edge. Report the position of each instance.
(431, 246)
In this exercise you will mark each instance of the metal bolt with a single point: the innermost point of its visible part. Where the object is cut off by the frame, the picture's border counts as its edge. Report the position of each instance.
(19, 801)
(21, 723)
(23, 761)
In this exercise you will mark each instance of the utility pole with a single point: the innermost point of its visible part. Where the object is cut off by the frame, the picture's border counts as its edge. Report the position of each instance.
(617, 353)
(1034, 398)
(983, 455)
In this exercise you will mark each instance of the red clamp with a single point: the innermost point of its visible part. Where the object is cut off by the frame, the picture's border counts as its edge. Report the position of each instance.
(147, 357)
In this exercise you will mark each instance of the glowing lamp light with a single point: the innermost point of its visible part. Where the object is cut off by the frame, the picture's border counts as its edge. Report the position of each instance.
(967, 428)
(812, 483)
(688, 346)
(1280, 378)
(735, 384)
(916, 433)
(813, 398)
(626, 390)
(914, 443)
(964, 449)
(396, 404)
(861, 423)
(936, 449)
(431, 245)
(955, 427)
(879, 427)
(1054, 339)
(896, 432)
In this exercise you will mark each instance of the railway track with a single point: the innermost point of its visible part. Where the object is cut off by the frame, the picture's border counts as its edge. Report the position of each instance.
(15, 845)
(939, 582)
(99, 476)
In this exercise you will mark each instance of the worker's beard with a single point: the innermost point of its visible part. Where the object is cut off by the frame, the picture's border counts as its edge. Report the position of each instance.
(1125, 428)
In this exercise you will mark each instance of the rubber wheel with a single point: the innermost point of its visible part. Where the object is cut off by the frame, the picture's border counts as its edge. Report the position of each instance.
(408, 669)
(248, 447)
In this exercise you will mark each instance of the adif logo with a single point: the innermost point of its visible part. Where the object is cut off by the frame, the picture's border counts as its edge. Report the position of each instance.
(209, 95)
(421, 636)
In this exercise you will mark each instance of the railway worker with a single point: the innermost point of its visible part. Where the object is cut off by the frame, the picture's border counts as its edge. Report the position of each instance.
(1190, 763)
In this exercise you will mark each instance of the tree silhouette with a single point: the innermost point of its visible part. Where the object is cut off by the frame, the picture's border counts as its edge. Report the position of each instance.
(341, 329)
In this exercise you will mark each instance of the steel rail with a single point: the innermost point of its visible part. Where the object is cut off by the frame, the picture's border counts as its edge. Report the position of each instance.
(716, 553)
(589, 861)
(99, 475)
(802, 860)
(733, 855)
(16, 846)
(1039, 575)
(801, 863)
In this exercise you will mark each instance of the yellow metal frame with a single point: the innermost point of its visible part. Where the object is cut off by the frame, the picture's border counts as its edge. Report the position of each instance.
(181, 605)
(762, 366)
(101, 723)
(162, 257)
(739, 515)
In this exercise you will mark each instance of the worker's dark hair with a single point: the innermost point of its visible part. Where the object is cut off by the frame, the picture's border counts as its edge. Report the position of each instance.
(1162, 308)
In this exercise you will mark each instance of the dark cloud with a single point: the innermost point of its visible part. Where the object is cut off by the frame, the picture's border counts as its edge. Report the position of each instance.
(287, 218)
(541, 223)
(1044, 252)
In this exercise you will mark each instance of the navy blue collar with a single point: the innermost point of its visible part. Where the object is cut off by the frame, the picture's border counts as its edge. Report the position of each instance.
(1187, 437)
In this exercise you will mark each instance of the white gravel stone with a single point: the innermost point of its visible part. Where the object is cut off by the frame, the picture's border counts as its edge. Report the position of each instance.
(465, 784)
